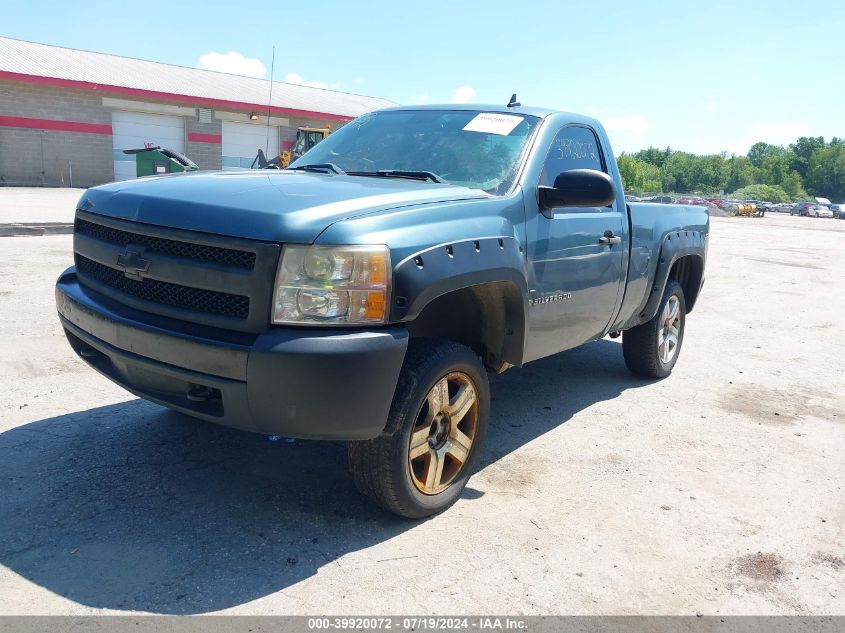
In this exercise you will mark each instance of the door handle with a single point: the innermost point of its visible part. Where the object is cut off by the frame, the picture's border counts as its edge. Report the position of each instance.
(609, 238)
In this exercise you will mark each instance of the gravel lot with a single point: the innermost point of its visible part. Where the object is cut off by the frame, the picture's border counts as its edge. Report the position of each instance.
(719, 490)
(37, 204)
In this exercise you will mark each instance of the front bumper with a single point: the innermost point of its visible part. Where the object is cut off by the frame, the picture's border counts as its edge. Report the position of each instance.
(296, 382)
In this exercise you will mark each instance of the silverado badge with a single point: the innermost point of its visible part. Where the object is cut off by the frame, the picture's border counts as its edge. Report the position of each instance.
(550, 298)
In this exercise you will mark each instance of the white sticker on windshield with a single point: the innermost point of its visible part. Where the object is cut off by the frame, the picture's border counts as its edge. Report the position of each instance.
(491, 123)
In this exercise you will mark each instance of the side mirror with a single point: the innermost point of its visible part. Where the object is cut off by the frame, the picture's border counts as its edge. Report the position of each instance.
(578, 188)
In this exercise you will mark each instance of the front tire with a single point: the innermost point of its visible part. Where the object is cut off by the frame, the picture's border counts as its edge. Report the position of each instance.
(652, 349)
(437, 423)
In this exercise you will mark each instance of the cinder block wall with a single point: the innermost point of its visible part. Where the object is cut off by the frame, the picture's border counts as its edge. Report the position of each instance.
(206, 155)
(40, 157)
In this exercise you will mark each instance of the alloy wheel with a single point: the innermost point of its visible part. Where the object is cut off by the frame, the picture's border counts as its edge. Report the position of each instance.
(669, 333)
(443, 433)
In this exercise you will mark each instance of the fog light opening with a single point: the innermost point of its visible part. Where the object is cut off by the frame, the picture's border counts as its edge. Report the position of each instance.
(201, 393)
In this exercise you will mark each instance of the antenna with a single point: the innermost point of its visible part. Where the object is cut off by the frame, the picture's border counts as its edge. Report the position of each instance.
(269, 103)
(513, 103)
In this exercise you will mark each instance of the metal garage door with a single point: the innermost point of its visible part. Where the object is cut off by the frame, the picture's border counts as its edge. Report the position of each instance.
(241, 142)
(132, 130)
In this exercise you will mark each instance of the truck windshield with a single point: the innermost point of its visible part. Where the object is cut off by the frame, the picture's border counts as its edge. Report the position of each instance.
(472, 148)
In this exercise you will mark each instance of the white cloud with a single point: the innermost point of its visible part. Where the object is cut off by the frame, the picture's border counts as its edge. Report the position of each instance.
(296, 78)
(234, 63)
(633, 125)
(463, 94)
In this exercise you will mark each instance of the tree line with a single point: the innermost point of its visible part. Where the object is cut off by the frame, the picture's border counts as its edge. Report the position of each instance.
(808, 167)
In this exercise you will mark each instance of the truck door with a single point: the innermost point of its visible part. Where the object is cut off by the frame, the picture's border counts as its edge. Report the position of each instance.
(576, 255)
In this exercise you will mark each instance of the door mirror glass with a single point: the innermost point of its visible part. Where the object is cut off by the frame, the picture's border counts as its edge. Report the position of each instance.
(578, 188)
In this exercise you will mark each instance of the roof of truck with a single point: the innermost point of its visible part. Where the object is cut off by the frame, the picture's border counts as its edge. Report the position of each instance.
(485, 107)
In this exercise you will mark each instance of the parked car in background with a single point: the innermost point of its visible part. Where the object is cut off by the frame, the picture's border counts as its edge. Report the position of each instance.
(838, 211)
(661, 199)
(630, 198)
(801, 208)
(762, 206)
(820, 211)
(783, 207)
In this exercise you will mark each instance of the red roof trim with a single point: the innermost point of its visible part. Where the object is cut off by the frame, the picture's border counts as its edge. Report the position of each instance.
(167, 96)
(199, 137)
(54, 124)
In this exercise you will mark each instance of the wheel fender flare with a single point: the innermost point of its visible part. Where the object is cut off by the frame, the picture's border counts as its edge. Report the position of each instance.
(675, 245)
(422, 277)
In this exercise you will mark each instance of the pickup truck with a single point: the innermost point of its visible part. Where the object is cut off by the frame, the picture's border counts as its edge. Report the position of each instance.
(366, 292)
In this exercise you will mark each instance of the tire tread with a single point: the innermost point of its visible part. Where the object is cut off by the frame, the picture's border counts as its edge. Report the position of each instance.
(638, 343)
(370, 460)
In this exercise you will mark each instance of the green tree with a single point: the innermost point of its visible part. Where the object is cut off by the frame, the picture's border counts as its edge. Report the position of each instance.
(741, 173)
(761, 152)
(767, 193)
(808, 164)
(774, 168)
(654, 156)
(794, 186)
(638, 176)
(826, 172)
(802, 151)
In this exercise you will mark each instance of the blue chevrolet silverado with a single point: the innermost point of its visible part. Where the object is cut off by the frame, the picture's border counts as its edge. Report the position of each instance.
(366, 292)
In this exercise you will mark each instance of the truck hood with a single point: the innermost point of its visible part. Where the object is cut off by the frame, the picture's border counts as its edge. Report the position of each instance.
(277, 206)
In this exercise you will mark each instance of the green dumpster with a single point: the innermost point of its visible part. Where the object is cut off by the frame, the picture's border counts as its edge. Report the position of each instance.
(152, 161)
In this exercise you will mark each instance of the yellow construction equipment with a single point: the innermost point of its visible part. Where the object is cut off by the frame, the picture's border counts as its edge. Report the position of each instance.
(306, 138)
(747, 209)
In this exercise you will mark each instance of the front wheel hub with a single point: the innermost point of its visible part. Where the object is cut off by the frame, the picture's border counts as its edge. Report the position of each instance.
(443, 433)
(669, 334)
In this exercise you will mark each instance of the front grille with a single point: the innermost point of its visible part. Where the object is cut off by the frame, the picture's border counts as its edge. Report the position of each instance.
(165, 293)
(186, 250)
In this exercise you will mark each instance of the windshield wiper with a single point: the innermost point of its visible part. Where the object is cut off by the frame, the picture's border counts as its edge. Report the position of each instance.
(321, 168)
(402, 173)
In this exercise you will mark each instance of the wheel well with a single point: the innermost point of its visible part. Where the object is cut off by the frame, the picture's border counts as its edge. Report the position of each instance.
(688, 272)
(488, 318)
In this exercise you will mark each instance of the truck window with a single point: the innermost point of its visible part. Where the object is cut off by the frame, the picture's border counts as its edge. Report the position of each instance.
(574, 147)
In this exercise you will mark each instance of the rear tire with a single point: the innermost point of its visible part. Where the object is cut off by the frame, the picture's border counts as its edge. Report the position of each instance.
(652, 349)
(437, 423)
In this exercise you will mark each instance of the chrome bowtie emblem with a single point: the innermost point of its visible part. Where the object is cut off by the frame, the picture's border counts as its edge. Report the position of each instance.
(134, 266)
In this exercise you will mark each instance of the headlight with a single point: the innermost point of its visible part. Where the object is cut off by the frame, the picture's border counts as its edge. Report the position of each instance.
(331, 285)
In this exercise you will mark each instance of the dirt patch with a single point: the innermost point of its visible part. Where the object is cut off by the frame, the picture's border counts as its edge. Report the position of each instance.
(761, 404)
(514, 478)
(778, 406)
(763, 567)
(836, 562)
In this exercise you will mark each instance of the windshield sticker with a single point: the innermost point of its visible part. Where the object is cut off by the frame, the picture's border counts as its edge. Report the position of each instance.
(490, 123)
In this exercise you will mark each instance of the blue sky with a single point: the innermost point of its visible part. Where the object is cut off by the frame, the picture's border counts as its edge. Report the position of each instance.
(703, 76)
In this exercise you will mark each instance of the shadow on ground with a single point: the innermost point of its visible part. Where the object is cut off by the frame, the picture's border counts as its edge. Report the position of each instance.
(135, 507)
